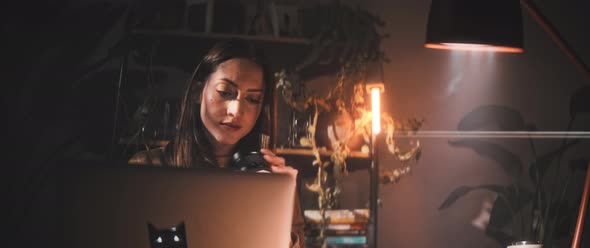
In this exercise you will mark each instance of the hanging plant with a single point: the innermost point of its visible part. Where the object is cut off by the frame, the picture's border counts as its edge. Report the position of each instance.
(345, 39)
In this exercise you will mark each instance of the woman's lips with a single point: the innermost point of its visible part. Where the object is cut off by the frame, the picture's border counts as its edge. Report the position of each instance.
(231, 126)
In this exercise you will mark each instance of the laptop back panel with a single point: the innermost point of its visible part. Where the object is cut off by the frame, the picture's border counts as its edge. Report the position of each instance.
(113, 207)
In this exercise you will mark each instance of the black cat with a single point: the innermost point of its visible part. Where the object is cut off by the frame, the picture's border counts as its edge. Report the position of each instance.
(174, 237)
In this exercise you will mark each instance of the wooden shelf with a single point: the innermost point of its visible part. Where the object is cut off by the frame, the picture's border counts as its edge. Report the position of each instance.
(186, 33)
(308, 152)
(301, 159)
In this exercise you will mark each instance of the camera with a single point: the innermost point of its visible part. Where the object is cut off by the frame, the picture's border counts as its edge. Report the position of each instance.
(250, 161)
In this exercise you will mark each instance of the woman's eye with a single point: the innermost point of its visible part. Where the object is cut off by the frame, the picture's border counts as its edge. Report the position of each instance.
(225, 94)
(254, 100)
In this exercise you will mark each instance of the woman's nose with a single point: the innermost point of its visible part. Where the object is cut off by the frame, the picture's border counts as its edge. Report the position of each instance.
(234, 108)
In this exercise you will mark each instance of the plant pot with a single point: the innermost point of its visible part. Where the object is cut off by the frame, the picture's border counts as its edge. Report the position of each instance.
(526, 244)
(341, 123)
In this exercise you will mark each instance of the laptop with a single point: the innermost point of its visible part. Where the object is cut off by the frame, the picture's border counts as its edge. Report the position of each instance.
(128, 206)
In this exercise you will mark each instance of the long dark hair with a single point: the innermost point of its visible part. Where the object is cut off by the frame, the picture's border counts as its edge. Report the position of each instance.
(190, 146)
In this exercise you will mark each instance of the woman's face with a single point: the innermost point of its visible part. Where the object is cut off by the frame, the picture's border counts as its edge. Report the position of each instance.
(232, 99)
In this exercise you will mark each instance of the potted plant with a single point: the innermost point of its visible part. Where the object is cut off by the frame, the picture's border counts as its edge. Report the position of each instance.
(532, 210)
(345, 42)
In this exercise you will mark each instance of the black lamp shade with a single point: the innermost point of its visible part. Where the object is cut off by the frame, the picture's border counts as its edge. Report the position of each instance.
(487, 25)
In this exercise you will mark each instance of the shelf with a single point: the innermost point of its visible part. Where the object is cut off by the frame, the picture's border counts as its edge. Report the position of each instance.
(302, 158)
(308, 152)
(279, 151)
(186, 33)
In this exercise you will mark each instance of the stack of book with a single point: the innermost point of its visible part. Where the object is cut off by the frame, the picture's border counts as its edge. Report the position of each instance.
(344, 228)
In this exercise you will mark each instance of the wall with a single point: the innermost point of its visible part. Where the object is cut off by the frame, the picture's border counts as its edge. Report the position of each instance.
(442, 87)
(439, 86)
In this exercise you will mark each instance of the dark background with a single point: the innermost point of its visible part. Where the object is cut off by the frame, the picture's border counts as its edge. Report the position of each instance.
(59, 103)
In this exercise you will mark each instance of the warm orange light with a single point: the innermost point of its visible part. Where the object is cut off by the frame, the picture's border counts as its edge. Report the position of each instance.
(376, 109)
(474, 47)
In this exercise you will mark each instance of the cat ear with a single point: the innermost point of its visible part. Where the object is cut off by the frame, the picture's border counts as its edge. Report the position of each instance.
(151, 227)
(180, 227)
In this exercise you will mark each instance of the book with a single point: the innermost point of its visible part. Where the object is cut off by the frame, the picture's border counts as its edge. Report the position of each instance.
(348, 246)
(344, 228)
(333, 242)
(316, 232)
(353, 226)
(356, 239)
(338, 216)
(346, 232)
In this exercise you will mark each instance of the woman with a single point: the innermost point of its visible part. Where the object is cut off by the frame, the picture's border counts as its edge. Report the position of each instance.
(220, 115)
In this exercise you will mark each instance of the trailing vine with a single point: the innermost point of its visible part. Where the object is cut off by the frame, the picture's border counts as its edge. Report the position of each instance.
(348, 38)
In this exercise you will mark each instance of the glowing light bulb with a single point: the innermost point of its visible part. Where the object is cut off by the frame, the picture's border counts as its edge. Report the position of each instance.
(376, 109)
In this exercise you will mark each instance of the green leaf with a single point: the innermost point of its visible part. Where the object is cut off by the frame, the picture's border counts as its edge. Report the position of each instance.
(501, 214)
(493, 118)
(500, 236)
(509, 202)
(561, 220)
(454, 196)
(579, 164)
(543, 162)
(518, 196)
(565, 218)
(580, 101)
(508, 160)
(418, 154)
(463, 190)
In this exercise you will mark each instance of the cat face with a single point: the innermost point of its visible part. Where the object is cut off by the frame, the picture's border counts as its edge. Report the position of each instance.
(174, 237)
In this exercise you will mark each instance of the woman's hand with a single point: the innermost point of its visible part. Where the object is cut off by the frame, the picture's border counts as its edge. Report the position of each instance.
(277, 164)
